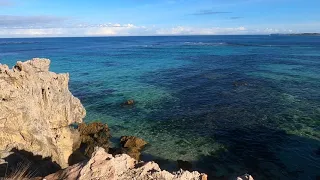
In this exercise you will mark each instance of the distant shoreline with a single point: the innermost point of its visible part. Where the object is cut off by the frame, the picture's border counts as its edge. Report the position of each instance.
(297, 34)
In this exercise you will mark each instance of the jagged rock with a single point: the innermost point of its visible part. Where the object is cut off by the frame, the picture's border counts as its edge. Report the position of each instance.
(92, 135)
(121, 167)
(132, 146)
(36, 109)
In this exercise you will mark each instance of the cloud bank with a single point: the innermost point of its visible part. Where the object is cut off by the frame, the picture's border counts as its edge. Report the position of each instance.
(51, 26)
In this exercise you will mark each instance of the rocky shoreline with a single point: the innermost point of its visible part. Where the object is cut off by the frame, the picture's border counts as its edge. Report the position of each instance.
(43, 136)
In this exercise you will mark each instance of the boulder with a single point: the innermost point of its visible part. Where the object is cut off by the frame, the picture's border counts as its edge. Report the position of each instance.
(92, 135)
(36, 109)
(132, 146)
(121, 167)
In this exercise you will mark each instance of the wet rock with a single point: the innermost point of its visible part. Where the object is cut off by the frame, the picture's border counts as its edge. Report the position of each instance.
(132, 142)
(129, 102)
(92, 135)
(132, 146)
(185, 165)
(121, 167)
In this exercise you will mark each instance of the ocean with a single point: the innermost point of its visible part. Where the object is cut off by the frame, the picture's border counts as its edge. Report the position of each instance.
(228, 104)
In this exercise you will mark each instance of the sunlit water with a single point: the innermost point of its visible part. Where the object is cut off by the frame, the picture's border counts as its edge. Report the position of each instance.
(228, 104)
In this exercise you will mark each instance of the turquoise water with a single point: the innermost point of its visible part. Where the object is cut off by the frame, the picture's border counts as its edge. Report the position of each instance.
(228, 104)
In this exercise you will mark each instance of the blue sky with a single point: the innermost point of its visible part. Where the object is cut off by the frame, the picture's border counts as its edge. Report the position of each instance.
(41, 18)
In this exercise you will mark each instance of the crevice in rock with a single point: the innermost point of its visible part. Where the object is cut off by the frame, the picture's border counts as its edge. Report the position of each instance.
(17, 68)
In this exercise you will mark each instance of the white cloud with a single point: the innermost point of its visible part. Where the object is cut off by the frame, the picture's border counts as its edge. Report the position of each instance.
(117, 29)
(108, 29)
(180, 30)
(111, 30)
(31, 32)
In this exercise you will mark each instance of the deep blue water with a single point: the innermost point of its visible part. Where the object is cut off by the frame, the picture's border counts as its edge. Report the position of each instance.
(228, 104)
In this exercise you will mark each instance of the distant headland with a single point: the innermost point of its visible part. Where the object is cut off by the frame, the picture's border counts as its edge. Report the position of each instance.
(297, 34)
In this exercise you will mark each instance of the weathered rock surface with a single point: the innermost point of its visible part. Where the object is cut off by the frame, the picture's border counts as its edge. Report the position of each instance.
(36, 109)
(121, 167)
(132, 146)
(92, 135)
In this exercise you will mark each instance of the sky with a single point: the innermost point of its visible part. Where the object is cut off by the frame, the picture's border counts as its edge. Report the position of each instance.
(65, 18)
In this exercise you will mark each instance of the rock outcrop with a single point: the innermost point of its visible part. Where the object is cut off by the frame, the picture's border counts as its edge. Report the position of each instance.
(36, 109)
(132, 146)
(121, 167)
(92, 135)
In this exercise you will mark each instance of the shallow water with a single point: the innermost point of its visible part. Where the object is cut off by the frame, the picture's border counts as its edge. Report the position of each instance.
(229, 104)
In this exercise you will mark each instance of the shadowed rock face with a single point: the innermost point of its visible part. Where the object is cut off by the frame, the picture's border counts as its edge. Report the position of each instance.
(36, 109)
(121, 167)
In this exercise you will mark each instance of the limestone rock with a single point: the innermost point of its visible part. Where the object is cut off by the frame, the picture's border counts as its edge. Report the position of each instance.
(36, 109)
(104, 166)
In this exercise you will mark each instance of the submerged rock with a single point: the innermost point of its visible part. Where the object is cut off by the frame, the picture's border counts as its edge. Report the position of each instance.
(129, 102)
(132, 146)
(121, 167)
(36, 109)
(240, 83)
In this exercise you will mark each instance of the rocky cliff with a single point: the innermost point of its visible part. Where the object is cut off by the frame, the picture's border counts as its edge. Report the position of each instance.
(36, 109)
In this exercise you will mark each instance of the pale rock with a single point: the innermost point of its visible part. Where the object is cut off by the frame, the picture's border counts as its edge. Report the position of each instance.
(36, 109)
(103, 166)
